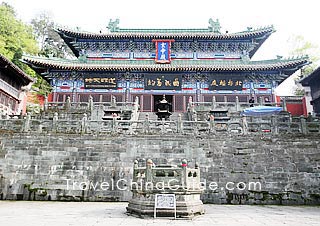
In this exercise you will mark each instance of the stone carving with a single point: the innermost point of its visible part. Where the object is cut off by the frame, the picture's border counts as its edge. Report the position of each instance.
(182, 181)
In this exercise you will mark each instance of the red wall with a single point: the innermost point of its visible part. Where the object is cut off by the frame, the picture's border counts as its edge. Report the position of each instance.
(295, 108)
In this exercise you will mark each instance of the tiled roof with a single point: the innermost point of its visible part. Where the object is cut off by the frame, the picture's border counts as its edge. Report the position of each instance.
(311, 77)
(165, 34)
(175, 65)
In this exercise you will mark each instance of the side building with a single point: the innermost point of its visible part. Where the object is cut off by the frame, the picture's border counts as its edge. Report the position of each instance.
(13, 86)
(146, 63)
(311, 85)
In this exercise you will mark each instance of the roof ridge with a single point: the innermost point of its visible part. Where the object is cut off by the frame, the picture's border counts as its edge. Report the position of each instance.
(201, 31)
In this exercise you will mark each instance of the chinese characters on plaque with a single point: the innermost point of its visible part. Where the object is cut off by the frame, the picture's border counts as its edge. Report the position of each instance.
(163, 51)
(162, 82)
(225, 83)
(100, 81)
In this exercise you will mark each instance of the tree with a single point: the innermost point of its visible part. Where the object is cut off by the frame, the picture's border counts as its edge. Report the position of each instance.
(300, 46)
(17, 38)
(49, 41)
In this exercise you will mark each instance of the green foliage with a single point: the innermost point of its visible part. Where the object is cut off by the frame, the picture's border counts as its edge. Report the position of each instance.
(300, 46)
(17, 38)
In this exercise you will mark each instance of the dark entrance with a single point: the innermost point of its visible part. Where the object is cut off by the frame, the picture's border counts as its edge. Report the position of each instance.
(158, 98)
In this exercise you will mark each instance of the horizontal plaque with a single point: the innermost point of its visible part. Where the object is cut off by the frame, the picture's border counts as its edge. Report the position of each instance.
(225, 82)
(100, 81)
(162, 82)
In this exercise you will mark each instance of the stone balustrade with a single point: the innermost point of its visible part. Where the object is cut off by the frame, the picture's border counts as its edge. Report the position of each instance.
(240, 125)
(231, 106)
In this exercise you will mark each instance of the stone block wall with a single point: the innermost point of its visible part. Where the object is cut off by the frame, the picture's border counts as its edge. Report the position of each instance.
(77, 167)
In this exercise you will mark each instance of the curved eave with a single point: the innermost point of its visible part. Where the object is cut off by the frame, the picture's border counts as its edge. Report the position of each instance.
(260, 40)
(68, 40)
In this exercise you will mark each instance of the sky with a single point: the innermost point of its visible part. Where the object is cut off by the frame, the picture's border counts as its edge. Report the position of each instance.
(290, 18)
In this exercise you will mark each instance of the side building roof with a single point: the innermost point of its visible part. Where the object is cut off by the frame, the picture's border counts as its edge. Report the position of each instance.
(310, 78)
(256, 36)
(286, 66)
(15, 71)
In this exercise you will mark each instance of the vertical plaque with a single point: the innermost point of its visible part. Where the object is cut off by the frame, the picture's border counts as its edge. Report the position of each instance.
(163, 51)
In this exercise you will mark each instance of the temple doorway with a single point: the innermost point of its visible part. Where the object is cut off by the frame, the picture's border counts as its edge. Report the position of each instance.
(158, 98)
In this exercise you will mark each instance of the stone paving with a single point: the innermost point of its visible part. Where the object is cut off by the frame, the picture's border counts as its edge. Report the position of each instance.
(13, 213)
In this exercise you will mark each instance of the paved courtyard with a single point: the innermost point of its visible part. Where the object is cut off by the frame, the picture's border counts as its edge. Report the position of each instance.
(94, 214)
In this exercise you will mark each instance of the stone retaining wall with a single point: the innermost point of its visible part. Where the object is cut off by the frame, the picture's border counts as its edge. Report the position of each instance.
(37, 166)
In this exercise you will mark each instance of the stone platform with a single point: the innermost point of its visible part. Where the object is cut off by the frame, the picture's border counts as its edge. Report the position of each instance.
(25, 213)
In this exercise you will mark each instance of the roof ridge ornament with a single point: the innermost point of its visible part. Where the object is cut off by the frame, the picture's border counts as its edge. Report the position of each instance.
(214, 26)
(113, 25)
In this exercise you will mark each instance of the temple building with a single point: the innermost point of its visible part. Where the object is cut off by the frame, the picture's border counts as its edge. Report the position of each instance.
(13, 86)
(201, 63)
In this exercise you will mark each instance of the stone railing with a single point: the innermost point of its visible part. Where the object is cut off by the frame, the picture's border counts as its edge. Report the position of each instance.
(236, 106)
(85, 106)
(73, 110)
(238, 125)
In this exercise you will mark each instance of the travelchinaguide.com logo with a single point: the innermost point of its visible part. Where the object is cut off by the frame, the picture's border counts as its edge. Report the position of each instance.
(123, 185)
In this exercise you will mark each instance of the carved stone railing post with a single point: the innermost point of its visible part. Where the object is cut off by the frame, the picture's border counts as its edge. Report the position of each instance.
(91, 104)
(244, 125)
(179, 124)
(260, 101)
(214, 103)
(237, 104)
(225, 99)
(114, 123)
(113, 101)
(303, 125)
(149, 164)
(55, 122)
(84, 124)
(135, 112)
(212, 124)
(184, 176)
(27, 123)
(45, 107)
(136, 104)
(146, 124)
(68, 104)
(274, 125)
(190, 105)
